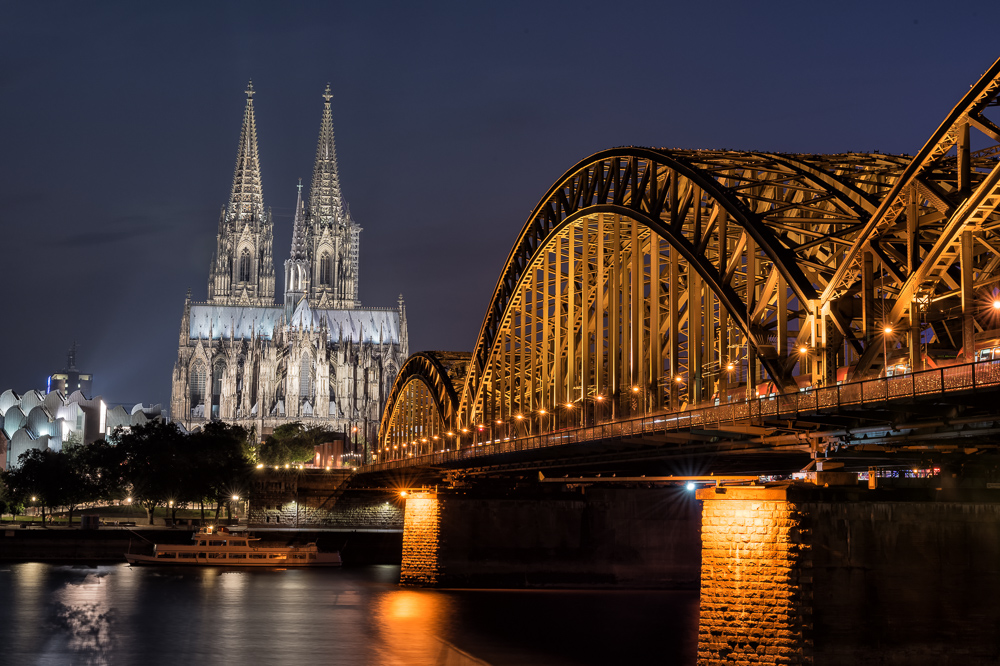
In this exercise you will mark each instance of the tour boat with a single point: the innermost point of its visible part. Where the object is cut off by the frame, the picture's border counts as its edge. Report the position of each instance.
(220, 547)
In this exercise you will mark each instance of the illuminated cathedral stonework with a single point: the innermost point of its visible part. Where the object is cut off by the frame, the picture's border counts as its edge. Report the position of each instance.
(320, 357)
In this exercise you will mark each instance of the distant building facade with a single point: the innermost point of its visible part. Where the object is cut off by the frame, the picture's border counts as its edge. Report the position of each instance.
(70, 379)
(318, 357)
(34, 420)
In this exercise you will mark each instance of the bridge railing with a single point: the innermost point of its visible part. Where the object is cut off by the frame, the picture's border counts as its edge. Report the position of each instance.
(970, 376)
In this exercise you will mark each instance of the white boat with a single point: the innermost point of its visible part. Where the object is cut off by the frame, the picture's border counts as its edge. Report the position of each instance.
(219, 547)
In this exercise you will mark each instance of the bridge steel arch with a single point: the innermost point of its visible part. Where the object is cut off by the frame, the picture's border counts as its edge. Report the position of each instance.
(421, 407)
(647, 279)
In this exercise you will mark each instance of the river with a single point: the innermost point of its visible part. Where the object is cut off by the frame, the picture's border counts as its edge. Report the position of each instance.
(116, 614)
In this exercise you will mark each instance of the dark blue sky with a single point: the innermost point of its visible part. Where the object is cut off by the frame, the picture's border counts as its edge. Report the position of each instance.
(119, 123)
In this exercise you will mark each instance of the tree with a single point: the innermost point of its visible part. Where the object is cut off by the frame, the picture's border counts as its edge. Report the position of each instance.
(150, 456)
(48, 476)
(223, 455)
(293, 443)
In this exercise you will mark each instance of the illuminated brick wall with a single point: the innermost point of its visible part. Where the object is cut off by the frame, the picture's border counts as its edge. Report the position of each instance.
(318, 498)
(756, 578)
(801, 574)
(421, 542)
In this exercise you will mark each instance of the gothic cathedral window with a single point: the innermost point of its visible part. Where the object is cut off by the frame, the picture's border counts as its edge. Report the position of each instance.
(197, 386)
(324, 269)
(245, 266)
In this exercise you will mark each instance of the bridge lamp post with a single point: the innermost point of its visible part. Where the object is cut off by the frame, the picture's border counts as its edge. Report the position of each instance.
(886, 332)
(635, 394)
(520, 417)
(803, 360)
(569, 410)
(541, 420)
(599, 399)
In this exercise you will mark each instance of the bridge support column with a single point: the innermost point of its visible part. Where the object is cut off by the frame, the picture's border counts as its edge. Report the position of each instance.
(801, 574)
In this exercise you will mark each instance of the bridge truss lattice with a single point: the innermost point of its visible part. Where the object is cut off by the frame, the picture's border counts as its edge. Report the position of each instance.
(653, 279)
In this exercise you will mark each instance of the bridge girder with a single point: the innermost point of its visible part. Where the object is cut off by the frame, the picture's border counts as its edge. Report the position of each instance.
(641, 267)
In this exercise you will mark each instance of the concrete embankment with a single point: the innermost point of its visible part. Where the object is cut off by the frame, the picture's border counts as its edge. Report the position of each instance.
(110, 545)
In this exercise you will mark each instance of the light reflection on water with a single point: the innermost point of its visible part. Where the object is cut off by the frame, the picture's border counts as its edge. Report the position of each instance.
(110, 615)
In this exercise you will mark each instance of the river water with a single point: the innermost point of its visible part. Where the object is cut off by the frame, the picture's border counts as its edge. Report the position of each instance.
(115, 614)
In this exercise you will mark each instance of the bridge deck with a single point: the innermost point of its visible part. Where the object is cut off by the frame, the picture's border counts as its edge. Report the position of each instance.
(751, 417)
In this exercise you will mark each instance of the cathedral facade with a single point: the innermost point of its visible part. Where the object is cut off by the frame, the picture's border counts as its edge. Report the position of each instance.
(318, 357)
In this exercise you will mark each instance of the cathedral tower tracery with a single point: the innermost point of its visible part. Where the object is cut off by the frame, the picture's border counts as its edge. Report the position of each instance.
(242, 270)
(334, 236)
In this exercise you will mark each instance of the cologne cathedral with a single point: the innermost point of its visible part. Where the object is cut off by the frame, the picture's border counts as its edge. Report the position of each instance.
(319, 357)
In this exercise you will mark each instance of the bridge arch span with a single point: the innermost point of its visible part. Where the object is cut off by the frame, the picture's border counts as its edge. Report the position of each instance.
(422, 404)
(647, 279)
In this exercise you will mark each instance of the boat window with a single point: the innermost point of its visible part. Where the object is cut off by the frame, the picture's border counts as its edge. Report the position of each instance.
(237, 542)
(217, 543)
(274, 556)
(188, 556)
(312, 556)
(201, 543)
(237, 556)
(258, 556)
(216, 556)
(167, 555)
(201, 555)
(298, 556)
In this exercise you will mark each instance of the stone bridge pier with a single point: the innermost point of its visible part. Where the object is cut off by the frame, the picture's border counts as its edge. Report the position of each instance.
(789, 573)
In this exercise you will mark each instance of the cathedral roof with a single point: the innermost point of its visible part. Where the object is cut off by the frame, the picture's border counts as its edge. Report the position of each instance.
(240, 322)
(247, 199)
(244, 322)
(363, 325)
(326, 202)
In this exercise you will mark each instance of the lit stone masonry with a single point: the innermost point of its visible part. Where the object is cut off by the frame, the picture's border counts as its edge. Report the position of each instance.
(756, 582)
(319, 498)
(422, 546)
(799, 573)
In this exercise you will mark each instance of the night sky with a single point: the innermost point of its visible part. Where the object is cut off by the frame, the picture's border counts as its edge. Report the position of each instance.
(119, 124)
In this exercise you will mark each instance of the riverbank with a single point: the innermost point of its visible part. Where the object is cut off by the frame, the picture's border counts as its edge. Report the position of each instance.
(110, 544)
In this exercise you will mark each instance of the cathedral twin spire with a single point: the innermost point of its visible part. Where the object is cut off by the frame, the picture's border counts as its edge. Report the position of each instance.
(326, 202)
(323, 259)
(242, 270)
(247, 198)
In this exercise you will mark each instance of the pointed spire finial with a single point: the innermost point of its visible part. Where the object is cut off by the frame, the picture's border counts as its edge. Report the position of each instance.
(246, 201)
(326, 202)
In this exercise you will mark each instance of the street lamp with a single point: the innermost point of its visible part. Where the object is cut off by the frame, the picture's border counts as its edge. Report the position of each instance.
(886, 332)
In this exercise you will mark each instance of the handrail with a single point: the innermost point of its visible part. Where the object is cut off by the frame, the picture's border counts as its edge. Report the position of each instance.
(968, 376)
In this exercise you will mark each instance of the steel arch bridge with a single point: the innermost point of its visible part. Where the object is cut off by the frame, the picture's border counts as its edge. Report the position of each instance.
(653, 279)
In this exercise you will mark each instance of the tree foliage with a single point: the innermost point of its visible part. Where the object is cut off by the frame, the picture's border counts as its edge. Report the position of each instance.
(155, 464)
(293, 443)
